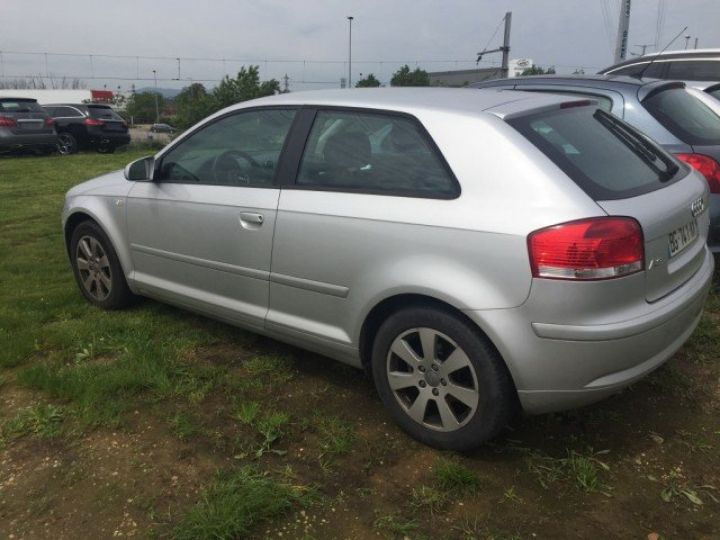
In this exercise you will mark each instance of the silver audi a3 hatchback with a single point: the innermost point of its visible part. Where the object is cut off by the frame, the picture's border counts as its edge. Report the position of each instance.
(478, 252)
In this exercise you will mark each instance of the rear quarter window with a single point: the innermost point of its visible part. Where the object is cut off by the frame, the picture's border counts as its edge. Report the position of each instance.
(606, 157)
(685, 116)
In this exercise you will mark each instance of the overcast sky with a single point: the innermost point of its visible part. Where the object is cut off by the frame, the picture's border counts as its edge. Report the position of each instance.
(437, 34)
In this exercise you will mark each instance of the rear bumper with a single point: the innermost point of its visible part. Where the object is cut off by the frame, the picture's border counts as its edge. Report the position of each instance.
(10, 141)
(97, 137)
(557, 366)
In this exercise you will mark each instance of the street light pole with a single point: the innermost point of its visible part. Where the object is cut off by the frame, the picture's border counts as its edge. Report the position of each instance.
(157, 108)
(350, 20)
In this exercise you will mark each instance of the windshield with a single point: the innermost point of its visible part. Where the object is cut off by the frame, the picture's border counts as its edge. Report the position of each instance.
(606, 157)
(104, 112)
(19, 106)
(685, 116)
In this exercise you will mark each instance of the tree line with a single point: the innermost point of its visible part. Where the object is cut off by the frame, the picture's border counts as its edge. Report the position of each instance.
(195, 102)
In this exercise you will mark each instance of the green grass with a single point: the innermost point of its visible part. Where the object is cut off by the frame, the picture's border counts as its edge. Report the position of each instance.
(43, 420)
(236, 502)
(451, 476)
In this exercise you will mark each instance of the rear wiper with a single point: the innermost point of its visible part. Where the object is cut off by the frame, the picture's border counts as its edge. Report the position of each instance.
(647, 152)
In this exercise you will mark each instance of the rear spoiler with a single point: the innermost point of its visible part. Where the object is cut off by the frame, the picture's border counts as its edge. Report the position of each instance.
(646, 91)
(519, 108)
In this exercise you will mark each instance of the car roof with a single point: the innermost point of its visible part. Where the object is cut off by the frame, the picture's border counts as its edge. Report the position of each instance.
(667, 55)
(589, 78)
(453, 100)
(10, 98)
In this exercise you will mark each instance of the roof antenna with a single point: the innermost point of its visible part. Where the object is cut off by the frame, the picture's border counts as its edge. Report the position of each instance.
(640, 75)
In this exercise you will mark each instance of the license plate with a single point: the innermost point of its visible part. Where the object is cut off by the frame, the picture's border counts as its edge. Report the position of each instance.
(682, 237)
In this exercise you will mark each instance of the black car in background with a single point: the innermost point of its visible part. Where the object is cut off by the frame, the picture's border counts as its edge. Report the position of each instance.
(88, 126)
(25, 126)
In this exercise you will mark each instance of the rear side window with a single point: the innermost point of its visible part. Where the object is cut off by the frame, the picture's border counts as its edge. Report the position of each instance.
(646, 70)
(714, 92)
(695, 70)
(104, 112)
(376, 153)
(630, 71)
(19, 106)
(685, 116)
(607, 158)
(66, 112)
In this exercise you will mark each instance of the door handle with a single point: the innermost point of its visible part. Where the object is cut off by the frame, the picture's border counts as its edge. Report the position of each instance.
(251, 218)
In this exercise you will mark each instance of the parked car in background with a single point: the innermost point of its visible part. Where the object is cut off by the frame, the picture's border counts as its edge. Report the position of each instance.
(473, 250)
(666, 111)
(25, 126)
(162, 128)
(88, 126)
(694, 66)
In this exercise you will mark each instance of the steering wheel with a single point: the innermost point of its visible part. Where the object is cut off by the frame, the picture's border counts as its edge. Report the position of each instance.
(225, 168)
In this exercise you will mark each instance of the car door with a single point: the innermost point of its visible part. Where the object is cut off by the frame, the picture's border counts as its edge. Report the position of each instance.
(369, 184)
(201, 232)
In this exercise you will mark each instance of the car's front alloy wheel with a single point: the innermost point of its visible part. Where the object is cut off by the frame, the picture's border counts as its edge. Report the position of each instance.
(66, 144)
(441, 379)
(97, 269)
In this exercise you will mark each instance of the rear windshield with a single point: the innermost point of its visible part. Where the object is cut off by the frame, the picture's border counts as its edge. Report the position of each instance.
(685, 116)
(606, 157)
(714, 92)
(104, 112)
(19, 106)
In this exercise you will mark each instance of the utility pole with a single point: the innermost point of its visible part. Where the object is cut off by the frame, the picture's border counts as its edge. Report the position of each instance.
(178, 61)
(622, 35)
(504, 49)
(350, 20)
(687, 40)
(157, 107)
(506, 46)
(696, 42)
(286, 84)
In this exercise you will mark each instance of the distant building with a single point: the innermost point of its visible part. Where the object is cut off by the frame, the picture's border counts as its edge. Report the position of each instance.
(516, 66)
(61, 96)
(463, 77)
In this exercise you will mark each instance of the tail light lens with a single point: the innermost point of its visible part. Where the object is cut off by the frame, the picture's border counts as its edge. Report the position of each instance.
(589, 249)
(93, 122)
(49, 122)
(6, 121)
(707, 166)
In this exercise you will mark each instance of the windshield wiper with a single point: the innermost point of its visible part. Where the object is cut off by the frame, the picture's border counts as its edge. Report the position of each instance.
(642, 148)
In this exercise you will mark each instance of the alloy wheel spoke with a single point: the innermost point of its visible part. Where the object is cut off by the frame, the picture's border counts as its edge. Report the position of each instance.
(103, 262)
(399, 380)
(105, 280)
(88, 282)
(447, 416)
(403, 350)
(417, 409)
(85, 247)
(427, 339)
(468, 396)
(82, 264)
(457, 360)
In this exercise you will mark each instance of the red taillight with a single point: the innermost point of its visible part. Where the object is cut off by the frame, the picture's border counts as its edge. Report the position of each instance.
(705, 165)
(93, 122)
(49, 122)
(596, 248)
(6, 121)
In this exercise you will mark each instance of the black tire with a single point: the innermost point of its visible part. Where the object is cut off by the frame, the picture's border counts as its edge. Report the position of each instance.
(105, 149)
(496, 400)
(67, 144)
(118, 294)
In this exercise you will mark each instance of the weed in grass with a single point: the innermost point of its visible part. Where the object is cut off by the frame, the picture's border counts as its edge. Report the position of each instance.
(273, 368)
(336, 438)
(451, 476)
(675, 485)
(396, 526)
(510, 496)
(184, 425)
(236, 502)
(43, 420)
(582, 470)
(248, 412)
(427, 498)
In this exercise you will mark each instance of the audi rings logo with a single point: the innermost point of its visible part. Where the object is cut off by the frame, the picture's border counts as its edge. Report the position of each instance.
(697, 207)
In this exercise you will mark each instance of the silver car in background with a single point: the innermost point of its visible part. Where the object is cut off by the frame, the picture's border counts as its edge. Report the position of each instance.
(476, 251)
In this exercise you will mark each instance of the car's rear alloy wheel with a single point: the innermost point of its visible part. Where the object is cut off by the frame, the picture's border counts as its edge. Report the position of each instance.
(433, 379)
(441, 379)
(67, 144)
(97, 269)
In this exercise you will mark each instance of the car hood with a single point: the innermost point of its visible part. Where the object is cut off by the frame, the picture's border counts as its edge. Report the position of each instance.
(111, 184)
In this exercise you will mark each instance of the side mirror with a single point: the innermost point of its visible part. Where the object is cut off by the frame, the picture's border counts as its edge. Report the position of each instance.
(140, 170)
